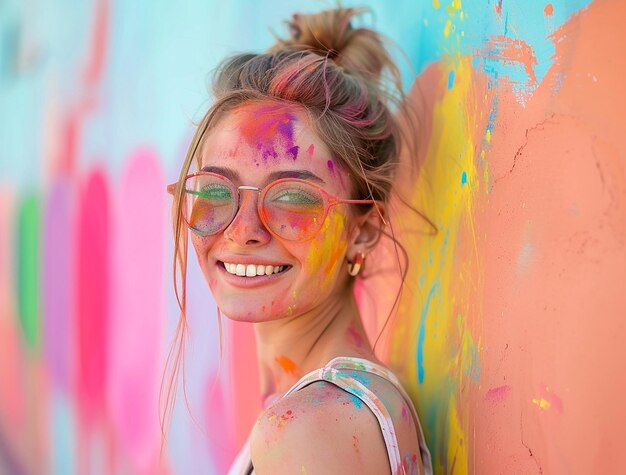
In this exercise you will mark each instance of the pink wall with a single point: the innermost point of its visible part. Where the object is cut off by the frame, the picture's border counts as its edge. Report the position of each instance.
(516, 309)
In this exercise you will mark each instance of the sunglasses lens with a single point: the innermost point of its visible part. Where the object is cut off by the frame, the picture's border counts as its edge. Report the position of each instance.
(210, 204)
(294, 210)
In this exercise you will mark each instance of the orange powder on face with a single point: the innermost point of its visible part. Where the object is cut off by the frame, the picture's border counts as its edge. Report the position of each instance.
(548, 10)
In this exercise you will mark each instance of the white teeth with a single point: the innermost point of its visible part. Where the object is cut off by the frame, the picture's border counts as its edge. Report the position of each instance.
(252, 270)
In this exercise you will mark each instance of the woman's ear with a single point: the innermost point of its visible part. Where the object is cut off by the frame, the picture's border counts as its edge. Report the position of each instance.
(367, 232)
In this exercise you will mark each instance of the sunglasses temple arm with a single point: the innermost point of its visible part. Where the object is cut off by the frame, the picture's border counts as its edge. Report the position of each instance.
(367, 202)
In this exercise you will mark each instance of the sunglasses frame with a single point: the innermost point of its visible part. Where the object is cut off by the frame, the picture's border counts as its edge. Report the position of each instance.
(329, 200)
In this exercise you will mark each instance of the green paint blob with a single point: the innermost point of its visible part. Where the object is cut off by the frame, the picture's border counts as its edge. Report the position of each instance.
(28, 268)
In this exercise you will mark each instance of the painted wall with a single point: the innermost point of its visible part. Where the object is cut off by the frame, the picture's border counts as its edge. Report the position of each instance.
(510, 328)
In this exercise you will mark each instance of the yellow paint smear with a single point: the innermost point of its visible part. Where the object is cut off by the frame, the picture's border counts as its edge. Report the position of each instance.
(542, 403)
(448, 286)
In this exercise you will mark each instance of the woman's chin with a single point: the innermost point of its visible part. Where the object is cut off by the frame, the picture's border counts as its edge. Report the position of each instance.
(254, 315)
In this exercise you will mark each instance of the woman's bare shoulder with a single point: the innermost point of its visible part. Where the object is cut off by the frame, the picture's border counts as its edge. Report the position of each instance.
(319, 429)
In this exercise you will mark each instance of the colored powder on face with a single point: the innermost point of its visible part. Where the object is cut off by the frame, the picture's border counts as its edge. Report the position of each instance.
(310, 150)
(463, 178)
(293, 152)
(328, 249)
(451, 79)
(355, 443)
(330, 165)
(548, 10)
(269, 129)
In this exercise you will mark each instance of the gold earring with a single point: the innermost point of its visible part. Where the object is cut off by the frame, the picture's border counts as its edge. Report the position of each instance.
(355, 267)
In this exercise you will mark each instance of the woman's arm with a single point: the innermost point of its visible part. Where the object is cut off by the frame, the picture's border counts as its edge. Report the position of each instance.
(321, 429)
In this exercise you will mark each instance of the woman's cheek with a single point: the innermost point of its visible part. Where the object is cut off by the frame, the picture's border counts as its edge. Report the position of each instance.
(202, 245)
(328, 250)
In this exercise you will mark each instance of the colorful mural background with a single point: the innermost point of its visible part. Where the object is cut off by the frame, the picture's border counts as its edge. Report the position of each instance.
(510, 327)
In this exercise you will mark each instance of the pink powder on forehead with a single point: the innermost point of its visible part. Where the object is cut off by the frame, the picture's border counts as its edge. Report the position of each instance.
(269, 129)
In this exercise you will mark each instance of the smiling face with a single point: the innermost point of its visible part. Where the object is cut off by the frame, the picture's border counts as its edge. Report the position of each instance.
(253, 145)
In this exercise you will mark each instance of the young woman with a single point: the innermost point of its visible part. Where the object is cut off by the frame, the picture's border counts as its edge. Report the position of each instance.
(294, 165)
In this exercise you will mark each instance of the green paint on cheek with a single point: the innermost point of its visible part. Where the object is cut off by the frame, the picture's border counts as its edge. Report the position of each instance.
(28, 268)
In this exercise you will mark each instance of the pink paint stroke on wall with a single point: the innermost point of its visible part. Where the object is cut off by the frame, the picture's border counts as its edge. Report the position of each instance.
(93, 297)
(58, 284)
(137, 318)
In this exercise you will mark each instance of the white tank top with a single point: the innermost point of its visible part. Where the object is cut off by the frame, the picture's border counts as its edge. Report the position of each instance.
(335, 373)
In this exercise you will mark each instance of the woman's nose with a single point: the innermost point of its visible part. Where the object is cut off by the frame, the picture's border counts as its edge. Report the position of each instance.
(246, 229)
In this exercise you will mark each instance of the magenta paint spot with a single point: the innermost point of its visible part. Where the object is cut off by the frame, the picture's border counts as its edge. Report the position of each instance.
(405, 412)
(92, 295)
(498, 394)
(331, 166)
(310, 150)
(138, 319)
(58, 242)
(354, 337)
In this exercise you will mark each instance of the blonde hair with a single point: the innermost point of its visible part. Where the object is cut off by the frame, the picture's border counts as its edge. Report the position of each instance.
(347, 83)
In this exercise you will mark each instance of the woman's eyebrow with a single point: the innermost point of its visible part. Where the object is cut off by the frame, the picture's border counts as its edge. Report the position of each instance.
(227, 172)
(234, 176)
(301, 174)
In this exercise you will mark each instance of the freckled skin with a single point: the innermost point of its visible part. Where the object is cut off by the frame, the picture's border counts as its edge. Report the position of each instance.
(326, 408)
(233, 144)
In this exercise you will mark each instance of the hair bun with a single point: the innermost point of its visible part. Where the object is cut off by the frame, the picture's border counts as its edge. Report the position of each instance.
(330, 34)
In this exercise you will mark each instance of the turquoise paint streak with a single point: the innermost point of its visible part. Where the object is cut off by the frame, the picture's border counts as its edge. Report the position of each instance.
(62, 436)
(422, 333)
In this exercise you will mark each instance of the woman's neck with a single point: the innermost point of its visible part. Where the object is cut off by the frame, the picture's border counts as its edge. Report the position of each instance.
(289, 348)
